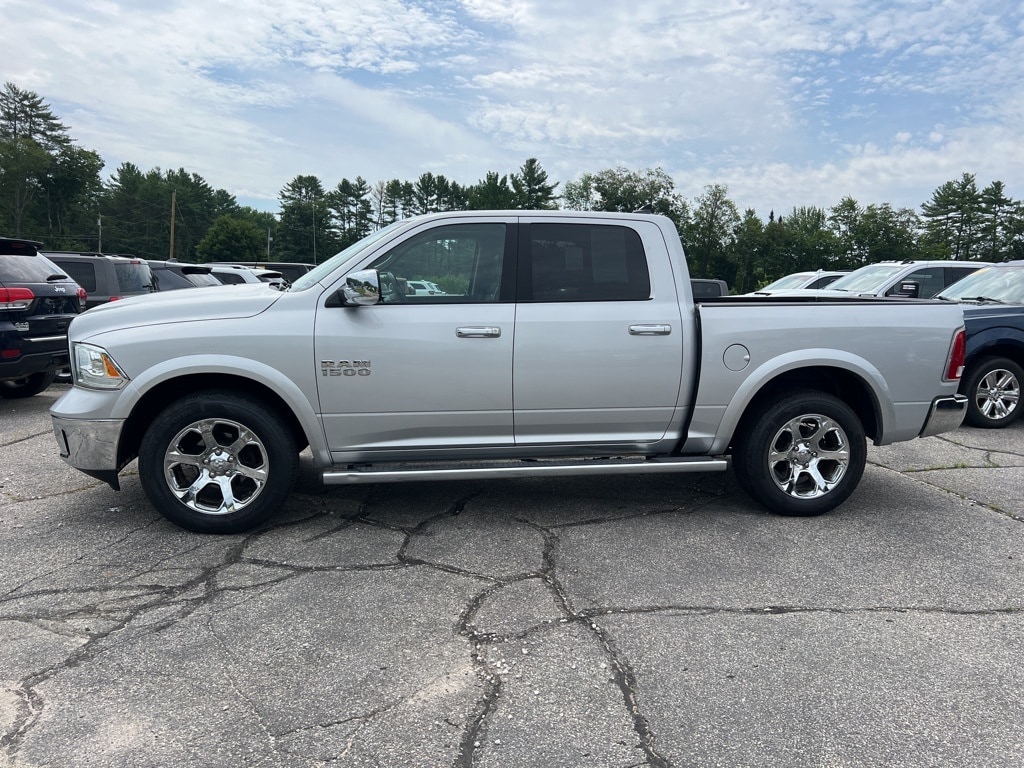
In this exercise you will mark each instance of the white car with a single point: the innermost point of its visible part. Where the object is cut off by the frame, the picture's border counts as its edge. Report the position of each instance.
(818, 279)
(232, 275)
(423, 288)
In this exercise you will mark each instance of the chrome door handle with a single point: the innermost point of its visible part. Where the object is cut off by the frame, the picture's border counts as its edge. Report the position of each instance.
(650, 330)
(478, 332)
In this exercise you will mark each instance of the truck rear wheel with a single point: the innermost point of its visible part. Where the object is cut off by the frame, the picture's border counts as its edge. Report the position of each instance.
(217, 462)
(993, 393)
(803, 456)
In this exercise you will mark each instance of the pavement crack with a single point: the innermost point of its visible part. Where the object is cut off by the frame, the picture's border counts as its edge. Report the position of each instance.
(776, 610)
(623, 674)
(30, 706)
(476, 728)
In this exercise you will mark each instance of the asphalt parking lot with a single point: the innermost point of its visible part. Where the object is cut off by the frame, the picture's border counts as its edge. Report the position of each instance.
(661, 621)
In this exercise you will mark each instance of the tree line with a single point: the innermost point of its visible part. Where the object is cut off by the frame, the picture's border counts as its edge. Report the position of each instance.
(51, 190)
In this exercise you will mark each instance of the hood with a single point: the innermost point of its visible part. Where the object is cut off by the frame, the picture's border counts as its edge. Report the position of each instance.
(216, 302)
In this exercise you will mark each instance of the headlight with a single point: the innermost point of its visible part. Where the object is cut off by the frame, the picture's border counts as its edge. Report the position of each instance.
(94, 368)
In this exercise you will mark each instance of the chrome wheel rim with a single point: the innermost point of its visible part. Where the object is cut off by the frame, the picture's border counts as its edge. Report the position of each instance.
(216, 466)
(809, 456)
(998, 394)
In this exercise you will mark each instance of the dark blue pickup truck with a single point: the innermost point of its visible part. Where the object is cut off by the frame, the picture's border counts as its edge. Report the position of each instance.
(993, 302)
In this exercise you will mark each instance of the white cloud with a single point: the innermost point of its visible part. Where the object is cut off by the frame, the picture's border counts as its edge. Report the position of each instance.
(800, 101)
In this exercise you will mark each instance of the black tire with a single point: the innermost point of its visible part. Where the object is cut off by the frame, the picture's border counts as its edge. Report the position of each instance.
(803, 456)
(211, 442)
(27, 386)
(992, 387)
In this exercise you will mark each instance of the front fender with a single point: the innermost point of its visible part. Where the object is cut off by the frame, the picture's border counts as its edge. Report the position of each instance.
(182, 369)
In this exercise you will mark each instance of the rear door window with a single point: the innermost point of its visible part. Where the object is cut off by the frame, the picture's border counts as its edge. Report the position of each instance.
(82, 273)
(583, 262)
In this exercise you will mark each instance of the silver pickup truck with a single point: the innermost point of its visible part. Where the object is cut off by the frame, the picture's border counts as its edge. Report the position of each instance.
(562, 343)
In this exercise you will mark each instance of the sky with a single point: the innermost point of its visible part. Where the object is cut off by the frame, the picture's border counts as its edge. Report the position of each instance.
(786, 102)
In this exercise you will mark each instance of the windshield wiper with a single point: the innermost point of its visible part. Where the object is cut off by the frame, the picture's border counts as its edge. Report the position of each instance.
(982, 299)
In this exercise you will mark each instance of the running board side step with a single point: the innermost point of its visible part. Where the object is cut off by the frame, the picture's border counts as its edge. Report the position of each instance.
(409, 473)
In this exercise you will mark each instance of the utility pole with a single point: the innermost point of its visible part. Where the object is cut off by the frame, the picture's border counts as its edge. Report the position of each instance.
(174, 198)
(99, 223)
(269, 241)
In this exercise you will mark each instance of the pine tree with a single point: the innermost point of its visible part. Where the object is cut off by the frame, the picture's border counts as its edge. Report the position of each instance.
(530, 188)
(31, 139)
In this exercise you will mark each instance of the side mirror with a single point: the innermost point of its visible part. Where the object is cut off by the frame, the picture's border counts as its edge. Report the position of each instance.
(910, 289)
(361, 289)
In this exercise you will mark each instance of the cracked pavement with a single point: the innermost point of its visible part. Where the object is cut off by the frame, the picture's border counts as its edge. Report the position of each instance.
(620, 622)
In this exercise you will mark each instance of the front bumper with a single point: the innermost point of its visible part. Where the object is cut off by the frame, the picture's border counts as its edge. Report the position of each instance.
(90, 446)
(945, 415)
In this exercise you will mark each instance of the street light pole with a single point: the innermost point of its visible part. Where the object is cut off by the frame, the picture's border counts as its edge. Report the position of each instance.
(269, 241)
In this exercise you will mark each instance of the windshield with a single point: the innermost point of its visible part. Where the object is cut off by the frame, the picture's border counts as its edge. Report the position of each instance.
(789, 281)
(1004, 284)
(321, 271)
(866, 279)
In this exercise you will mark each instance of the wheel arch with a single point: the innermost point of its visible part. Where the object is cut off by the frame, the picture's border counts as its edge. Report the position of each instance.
(840, 382)
(996, 345)
(156, 399)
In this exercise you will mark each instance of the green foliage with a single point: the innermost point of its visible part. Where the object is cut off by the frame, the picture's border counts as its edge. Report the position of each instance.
(137, 212)
(951, 218)
(530, 188)
(492, 193)
(304, 233)
(233, 239)
(37, 159)
(351, 211)
(619, 189)
(709, 234)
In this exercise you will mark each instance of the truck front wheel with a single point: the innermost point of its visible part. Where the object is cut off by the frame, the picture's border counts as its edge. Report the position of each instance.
(803, 456)
(217, 462)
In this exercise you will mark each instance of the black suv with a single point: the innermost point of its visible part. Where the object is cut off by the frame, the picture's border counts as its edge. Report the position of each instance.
(37, 303)
(105, 277)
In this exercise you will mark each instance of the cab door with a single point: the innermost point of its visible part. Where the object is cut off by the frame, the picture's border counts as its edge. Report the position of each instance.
(418, 373)
(599, 336)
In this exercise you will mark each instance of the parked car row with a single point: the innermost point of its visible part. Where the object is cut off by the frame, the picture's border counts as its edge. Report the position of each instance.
(914, 279)
(42, 291)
